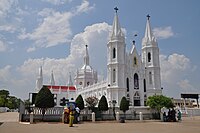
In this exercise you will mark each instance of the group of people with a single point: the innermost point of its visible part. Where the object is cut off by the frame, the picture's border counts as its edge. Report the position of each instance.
(71, 109)
(171, 115)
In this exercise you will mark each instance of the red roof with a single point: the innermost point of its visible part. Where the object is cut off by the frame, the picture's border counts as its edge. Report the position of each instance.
(63, 88)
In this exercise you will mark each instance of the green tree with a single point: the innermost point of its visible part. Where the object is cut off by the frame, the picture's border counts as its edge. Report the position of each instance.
(103, 104)
(124, 105)
(159, 101)
(4, 94)
(2, 101)
(44, 99)
(79, 102)
(91, 102)
(8, 101)
(13, 102)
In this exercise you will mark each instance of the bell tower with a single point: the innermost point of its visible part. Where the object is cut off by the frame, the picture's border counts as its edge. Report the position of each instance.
(116, 61)
(150, 59)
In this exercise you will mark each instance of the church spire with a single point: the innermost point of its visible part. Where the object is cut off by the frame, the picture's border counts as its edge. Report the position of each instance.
(40, 72)
(148, 31)
(39, 81)
(70, 83)
(116, 31)
(52, 81)
(86, 57)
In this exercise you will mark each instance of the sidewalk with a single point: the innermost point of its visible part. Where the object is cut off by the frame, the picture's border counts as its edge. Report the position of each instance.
(9, 117)
(188, 125)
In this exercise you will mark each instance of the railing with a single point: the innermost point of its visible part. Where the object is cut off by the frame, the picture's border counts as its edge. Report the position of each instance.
(48, 111)
(88, 117)
(191, 112)
(99, 85)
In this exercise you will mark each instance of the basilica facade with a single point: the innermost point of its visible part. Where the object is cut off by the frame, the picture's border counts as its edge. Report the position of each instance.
(128, 74)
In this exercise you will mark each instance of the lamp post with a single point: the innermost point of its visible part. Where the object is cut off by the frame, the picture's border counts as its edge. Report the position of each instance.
(113, 102)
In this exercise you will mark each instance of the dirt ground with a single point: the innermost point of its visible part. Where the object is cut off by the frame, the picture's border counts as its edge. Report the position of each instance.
(188, 125)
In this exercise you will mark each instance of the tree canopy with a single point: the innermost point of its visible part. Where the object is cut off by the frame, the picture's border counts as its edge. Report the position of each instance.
(124, 104)
(79, 102)
(91, 102)
(4, 93)
(159, 101)
(8, 101)
(44, 98)
(103, 104)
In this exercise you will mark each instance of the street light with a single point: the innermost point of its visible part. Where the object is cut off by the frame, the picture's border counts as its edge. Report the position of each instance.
(113, 102)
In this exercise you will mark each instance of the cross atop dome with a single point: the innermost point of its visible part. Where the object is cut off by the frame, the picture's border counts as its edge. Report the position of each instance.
(116, 9)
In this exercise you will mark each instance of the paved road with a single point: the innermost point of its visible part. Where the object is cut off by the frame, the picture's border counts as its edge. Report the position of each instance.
(188, 125)
(9, 117)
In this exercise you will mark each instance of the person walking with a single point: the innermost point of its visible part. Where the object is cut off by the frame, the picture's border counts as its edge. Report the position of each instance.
(179, 115)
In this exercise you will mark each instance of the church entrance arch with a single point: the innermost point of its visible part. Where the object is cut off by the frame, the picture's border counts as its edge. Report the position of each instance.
(136, 99)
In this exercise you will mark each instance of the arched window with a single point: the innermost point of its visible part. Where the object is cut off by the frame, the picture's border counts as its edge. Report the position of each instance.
(114, 53)
(135, 61)
(88, 83)
(128, 95)
(149, 57)
(136, 81)
(144, 81)
(114, 76)
(150, 78)
(127, 84)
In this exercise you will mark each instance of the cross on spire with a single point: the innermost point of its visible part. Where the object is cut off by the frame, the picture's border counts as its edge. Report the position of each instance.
(134, 40)
(148, 16)
(116, 9)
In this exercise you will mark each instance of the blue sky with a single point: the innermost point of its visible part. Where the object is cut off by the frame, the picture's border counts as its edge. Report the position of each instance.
(52, 33)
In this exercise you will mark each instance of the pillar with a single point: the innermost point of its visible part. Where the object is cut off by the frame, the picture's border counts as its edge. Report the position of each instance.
(141, 116)
(63, 116)
(93, 117)
(31, 118)
(117, 116)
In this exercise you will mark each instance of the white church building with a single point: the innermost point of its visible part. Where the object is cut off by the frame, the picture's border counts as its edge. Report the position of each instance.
(128, 74)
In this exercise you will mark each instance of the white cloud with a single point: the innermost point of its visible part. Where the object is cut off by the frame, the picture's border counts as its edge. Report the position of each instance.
(187, 87)
(46, 12)
(5, 6)
(55, 27)
(54, 30)
(31, 49)
(163, 32)
(11, 16)
(176, 70)
(185, 84)
(5, 74)
(19, 87)
(84, 7)
(57, 2)
(94, 36)
(8, 28)
(3, 46)
(173, 65)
